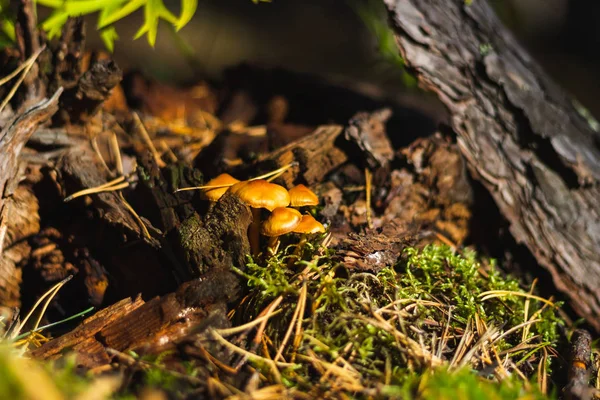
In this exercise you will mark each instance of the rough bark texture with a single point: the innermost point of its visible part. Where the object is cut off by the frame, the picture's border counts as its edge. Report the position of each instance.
(523, 137)
(12, 139)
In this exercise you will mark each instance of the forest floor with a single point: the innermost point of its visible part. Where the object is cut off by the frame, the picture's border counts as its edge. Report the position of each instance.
(409, 287)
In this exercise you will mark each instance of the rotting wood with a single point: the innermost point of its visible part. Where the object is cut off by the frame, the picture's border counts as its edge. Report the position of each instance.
(317, 155)
(12, 139)
(522, 136)
(368, 131)
(130, 324)
(81, 102)
(88, 328)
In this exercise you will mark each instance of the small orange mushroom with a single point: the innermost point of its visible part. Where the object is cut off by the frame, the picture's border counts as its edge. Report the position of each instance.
(301, 196)
(281, 221)
(260, 194)
(309, 225)
(216, 187)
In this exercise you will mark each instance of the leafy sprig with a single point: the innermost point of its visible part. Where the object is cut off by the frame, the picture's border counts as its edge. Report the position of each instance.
(109, 12)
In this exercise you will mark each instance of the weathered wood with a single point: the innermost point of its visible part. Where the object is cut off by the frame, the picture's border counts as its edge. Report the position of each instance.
(83, 101)
(130, 324)
(523, 136)
(12, 139)
(87, 328)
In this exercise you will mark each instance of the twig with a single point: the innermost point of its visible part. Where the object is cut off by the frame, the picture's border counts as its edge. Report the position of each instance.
(147, 141)
(368, 183)
(27, 67)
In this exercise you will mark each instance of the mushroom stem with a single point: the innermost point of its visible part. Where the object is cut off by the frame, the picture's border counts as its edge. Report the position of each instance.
(254, 231)
(273, 245)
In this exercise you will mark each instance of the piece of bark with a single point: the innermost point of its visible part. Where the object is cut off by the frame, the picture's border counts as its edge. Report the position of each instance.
(521, 134)
(12, 139)
(375, 249)
(88, 328)
(81, 102)
(192, 300)
(368, 131)
(316, 154)
(131, 324)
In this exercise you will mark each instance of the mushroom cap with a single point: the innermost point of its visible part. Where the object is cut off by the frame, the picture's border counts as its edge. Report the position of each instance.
(223, 179)
(259, 193)
(281, 221)
(301, 196)
(309, 225)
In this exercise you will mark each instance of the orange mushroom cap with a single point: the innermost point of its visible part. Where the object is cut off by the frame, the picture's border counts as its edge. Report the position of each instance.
(309, 225)
(261, 194)
(216, 193)
(281, 221)
(301, 196)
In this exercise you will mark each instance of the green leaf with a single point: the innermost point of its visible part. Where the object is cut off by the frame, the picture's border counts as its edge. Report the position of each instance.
(76, 8)
(108, 36)
(154, 11)
(51, 3)
(120, 13)
(8, 29)
(188, 9)
(54, 23)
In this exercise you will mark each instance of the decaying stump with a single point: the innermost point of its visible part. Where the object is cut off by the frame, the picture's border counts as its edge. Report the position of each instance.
(523, 137)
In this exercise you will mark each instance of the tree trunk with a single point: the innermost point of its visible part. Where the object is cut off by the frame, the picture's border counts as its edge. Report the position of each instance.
(524, 138)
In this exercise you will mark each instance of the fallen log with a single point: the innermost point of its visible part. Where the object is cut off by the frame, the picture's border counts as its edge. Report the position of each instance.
(523, 137)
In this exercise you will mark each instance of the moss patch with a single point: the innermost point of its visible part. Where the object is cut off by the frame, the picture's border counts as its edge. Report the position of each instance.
(363, 334)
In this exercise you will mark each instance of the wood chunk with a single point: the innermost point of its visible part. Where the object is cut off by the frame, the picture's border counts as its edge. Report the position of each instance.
(317, 155)
(184, 309)
(379, 248)
(83, 101)
(522, 136)
(90, 353)
(88, 328)
(131, 324)
(367, 130)
(139, 325)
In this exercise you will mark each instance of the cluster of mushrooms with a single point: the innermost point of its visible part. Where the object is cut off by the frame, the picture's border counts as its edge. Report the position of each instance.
(259, 193)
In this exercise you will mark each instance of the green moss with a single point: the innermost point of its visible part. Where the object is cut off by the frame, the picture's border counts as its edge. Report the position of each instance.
(188, 231)
(443, 384)
(435, 307)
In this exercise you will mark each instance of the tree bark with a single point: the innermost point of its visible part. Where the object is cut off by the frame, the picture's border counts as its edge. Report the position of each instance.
(524, 138)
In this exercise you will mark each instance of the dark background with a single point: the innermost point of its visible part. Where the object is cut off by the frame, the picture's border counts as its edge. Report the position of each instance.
(328, 38)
